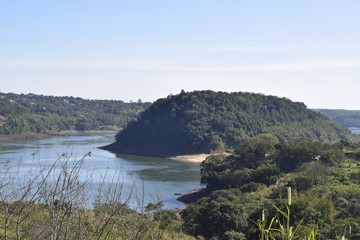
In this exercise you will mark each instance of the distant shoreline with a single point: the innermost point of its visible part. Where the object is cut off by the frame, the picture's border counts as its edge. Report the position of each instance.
(45, 135)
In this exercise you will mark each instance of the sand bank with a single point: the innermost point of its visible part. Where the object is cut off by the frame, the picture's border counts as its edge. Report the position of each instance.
(195, 158)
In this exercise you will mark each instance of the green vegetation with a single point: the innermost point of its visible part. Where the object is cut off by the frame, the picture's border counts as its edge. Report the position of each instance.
(248, 192)
(30, 221)
(277, 145)
(30, 114)
(348, 118)
(207, 121)
(248, 197)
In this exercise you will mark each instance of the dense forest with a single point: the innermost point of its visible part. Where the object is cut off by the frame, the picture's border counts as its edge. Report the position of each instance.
(348, 118)
(29, 113)
(208, 121)
(300, 189)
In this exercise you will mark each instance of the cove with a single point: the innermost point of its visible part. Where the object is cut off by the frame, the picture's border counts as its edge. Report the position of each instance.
(143, 179)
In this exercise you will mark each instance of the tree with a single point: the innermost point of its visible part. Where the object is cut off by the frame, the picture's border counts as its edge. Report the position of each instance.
(221, 211)
(296, 152)
(255, 151)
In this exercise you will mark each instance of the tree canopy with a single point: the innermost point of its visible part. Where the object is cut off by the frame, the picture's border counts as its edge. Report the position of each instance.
(251, 187)
(208, 121)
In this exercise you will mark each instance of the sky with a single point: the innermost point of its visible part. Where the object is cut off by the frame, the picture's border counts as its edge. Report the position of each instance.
(307, 51)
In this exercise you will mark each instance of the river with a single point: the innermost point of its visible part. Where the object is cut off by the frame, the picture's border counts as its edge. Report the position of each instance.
(148, 179)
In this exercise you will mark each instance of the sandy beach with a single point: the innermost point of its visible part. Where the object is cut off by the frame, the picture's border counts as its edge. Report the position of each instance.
(195, 158)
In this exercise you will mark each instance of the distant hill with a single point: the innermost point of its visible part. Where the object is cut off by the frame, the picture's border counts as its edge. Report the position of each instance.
(348, 118)
(207, 121)
(22, 114)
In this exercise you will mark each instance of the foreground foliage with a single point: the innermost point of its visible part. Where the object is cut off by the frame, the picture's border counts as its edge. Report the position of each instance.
(39, 221)
(53, 204)
(207, 121)
(248, 192)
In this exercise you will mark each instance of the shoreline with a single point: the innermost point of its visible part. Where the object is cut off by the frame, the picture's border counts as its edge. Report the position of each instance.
(195, 158)
(191, 158)
(61, 133)
(193, 196)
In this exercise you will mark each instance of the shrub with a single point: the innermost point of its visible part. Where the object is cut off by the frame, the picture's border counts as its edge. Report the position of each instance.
(232, 235)
(301, 183)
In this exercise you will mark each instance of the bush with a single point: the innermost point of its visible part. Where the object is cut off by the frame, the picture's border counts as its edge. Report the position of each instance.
(216, 214)
(251, 187)
(232, 235)
(348, 227)
(355, 176)
(301, 183)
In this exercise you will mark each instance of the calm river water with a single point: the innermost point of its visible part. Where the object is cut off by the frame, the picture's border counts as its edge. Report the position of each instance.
(150, 179)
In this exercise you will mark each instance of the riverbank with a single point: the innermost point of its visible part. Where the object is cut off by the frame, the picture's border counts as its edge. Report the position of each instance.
(193, 196)
(195, 158)
(61, 133)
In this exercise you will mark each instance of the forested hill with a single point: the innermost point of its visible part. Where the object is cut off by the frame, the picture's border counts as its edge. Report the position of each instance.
(30, 113)
(207, 121)
(348, 118)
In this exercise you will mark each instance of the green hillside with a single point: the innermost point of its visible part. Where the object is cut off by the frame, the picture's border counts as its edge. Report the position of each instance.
(208, 121)
(301, 189)
(22, 114)
(348, 118)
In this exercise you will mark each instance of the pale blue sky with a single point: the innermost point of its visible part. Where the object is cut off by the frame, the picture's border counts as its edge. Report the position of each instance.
(308, 51)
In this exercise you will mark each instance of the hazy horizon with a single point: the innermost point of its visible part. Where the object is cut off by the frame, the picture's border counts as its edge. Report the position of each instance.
(306, 51)
(135, 100)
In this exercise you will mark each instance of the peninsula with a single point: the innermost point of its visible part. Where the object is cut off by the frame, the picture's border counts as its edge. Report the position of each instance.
(204, 122)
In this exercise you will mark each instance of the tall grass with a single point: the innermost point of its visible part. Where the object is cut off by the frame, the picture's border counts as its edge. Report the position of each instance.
(280, 226)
